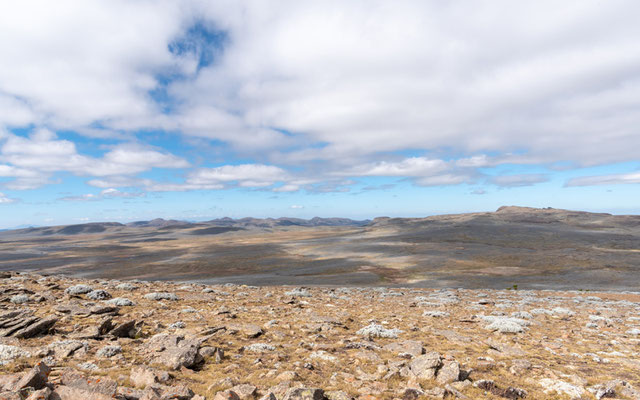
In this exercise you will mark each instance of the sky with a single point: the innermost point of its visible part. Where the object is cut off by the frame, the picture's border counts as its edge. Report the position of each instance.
(129, 110)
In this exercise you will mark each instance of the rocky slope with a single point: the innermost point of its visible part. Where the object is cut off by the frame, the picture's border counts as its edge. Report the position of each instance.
(64, 338)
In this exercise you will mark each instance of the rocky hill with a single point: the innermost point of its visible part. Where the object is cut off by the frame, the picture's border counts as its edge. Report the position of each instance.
(70, 339)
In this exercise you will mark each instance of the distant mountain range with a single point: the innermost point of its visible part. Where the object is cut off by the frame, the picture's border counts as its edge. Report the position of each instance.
(160, 223)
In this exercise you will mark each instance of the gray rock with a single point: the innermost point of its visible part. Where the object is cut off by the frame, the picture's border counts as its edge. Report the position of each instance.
(174, 351)
(424, 367)
(378, 331)
(109, 351)
(72, 393)
(259, 348)
(304, 394)
(65, 348)
(126, 286)
(177, 325)
(120, 302)
(41, 394)
(99, 295)
(245, 391)
(9, 353)
(124, 329)
(448, 373)
(298, 292)
(19, 299)
(40, 327)
(142, 376)
(78, 289)
(75, 379)
(161, 296)
(36, 378)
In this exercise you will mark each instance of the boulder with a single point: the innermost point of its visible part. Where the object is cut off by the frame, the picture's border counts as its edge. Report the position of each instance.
(304, 394)
(36, 378)
(37, 328)
(142, 376)
(124, 329)
(174, 351)
(425, 366)
(42, 394)
(450, 372)
(226, 395)
(245, 391)
(73, 393)
(102, 385)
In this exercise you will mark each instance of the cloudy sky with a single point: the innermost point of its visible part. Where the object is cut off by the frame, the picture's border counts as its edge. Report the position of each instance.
(126, 110)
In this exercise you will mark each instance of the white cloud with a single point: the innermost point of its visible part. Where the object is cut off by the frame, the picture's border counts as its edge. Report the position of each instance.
(613, 179)
(519, 180)
(6, 200)
(424, 171)
(33, 160)
(297, 207)
(333, 88)
(104, 194)
(245, 175)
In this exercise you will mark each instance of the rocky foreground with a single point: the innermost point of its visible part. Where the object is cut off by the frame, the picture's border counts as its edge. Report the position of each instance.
(63, 338)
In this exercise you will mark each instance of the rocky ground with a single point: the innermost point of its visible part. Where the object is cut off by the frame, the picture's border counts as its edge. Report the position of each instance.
(63, 338)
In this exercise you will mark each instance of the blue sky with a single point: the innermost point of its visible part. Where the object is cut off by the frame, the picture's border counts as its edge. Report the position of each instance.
(120, 110)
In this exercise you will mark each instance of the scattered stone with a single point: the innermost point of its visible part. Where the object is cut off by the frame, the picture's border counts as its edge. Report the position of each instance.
(36, 378)
(142, 376)
(19, 299)
(126, 286)
(9, 353)
(450, 372)
(425, 366)
(323, 356)
(551, 386)
(298, 292)
(435, 314)
(378, 331)
(177, 325)
(109, 351)
(259, 348)
(78, 289)
(98, 295)
(121, 302)
(508, 393)
(174, 351)
(245, 391)
(304, 394)
(40, 327)
(161, 296)
(124, 329)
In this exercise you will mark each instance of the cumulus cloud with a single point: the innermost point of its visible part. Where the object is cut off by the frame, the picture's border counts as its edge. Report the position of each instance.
(308, 93)
(32, 160)
(613, 179)
(6, 200)
(424, 171)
